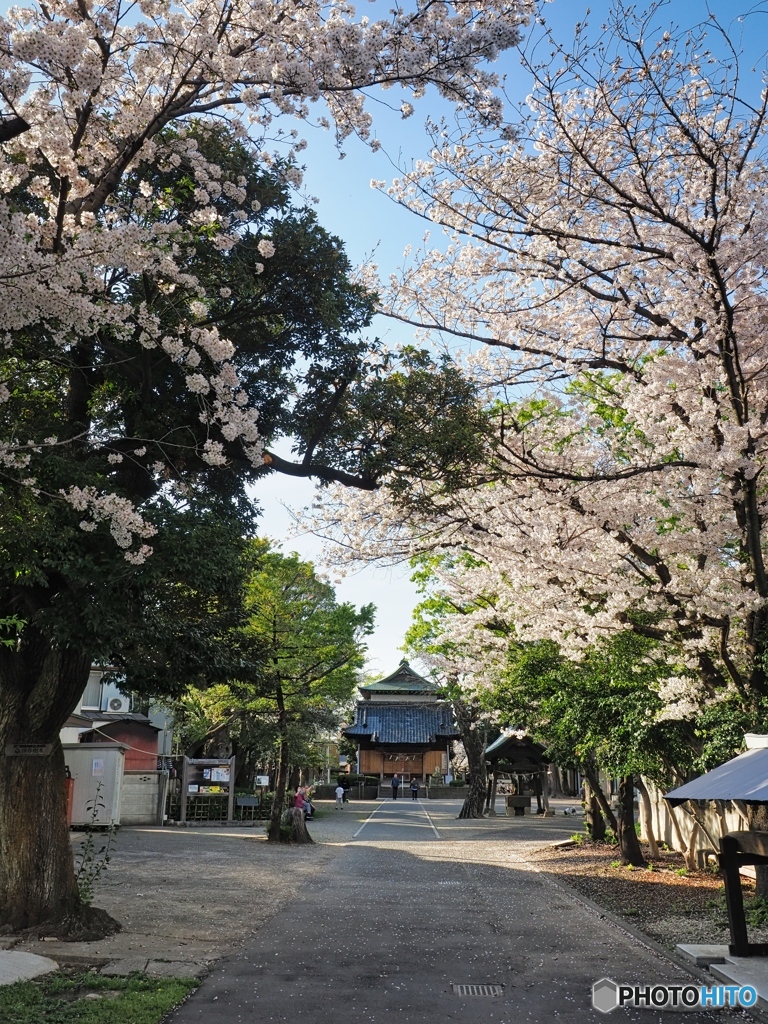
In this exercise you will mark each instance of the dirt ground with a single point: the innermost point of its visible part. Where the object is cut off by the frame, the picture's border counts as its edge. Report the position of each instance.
(664, 900)
(192, 895)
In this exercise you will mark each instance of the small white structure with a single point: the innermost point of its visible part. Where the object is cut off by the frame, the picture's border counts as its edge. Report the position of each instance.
(97, 770)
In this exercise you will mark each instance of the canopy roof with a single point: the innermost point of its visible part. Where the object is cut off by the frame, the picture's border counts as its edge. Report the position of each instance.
(742, 778)
(402, 680)
(516, 752)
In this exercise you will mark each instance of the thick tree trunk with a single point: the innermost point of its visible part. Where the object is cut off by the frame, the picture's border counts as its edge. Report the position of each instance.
(298, 834)
(629, 844)
(278, 800)
(590, 774)
(40, 685)
(593, 819)
(473, 738)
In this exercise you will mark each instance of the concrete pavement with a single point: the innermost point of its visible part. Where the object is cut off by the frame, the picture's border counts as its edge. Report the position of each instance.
(411, 909)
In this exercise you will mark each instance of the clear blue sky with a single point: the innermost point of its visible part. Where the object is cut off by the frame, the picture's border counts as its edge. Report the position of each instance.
(368, 222)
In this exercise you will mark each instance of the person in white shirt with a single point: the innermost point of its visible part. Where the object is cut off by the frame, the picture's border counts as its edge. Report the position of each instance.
(339, 797)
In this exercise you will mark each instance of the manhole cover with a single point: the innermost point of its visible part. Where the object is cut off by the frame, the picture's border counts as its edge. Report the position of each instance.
(478, 990)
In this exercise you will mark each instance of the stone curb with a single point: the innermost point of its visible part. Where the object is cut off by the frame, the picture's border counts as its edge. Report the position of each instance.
(155, 968)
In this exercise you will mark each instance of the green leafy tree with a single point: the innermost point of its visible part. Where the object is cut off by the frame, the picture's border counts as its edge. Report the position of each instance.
(603, 712)
(301, 652)
(455, 663)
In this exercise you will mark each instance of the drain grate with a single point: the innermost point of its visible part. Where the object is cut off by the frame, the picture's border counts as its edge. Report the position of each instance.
(478, 990)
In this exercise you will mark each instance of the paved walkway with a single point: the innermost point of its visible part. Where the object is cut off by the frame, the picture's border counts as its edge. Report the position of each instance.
(415, 904)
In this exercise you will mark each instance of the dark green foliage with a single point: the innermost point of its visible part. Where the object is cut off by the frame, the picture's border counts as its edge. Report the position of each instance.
(605, 707)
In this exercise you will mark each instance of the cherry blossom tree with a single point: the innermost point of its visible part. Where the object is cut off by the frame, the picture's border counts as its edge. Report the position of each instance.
(126, 401)
(606, 262)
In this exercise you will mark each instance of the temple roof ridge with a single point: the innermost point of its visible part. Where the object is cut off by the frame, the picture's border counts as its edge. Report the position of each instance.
(403, 680)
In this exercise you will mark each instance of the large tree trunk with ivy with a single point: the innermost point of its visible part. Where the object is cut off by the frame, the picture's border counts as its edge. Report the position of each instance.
(40, 685)
(629, 844)
(473, 738)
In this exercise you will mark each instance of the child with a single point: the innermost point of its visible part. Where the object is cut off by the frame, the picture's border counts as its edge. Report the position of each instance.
(339, 797)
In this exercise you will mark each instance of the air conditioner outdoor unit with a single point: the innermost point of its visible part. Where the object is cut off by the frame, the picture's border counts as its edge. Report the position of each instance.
(118, 705)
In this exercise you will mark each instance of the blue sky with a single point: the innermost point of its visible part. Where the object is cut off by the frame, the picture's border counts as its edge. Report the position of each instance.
(369, 222)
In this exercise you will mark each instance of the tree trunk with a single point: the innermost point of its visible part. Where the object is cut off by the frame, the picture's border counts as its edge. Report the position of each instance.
(299, 834)
(278, 800)
(473, 738)
(488, 791)
(629, 844)
(590, 774)
(40, 685)
(593, 819)
(645, 803)
(687, 849)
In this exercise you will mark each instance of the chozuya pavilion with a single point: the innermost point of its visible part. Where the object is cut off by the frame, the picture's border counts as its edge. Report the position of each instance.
(401, 726)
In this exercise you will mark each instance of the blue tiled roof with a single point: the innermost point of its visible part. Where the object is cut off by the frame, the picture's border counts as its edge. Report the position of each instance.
(398, 723)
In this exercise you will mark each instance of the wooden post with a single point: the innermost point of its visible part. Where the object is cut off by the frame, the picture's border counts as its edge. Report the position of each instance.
(734, 897)
(488, 794)
(545, 793)
(492, 808)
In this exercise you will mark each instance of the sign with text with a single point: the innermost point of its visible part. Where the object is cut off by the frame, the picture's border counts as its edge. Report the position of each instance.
(28, 749)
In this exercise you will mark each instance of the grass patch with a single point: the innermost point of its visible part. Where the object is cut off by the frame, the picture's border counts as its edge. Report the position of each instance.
(67, 998)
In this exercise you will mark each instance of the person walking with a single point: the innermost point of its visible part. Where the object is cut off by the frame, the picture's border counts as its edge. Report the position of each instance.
(339, 797)
(395, 785)
(414, 789)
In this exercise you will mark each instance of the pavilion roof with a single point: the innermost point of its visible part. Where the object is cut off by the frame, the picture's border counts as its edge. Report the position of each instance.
(742, 778)
(515, 751)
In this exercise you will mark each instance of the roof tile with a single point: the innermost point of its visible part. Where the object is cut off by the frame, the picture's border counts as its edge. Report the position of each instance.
(398, 723)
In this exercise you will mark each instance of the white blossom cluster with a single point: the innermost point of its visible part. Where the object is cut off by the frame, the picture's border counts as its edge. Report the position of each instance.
(96, 83)
(125, 523)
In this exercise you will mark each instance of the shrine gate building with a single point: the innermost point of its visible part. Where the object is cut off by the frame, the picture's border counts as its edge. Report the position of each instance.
(401, 726)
